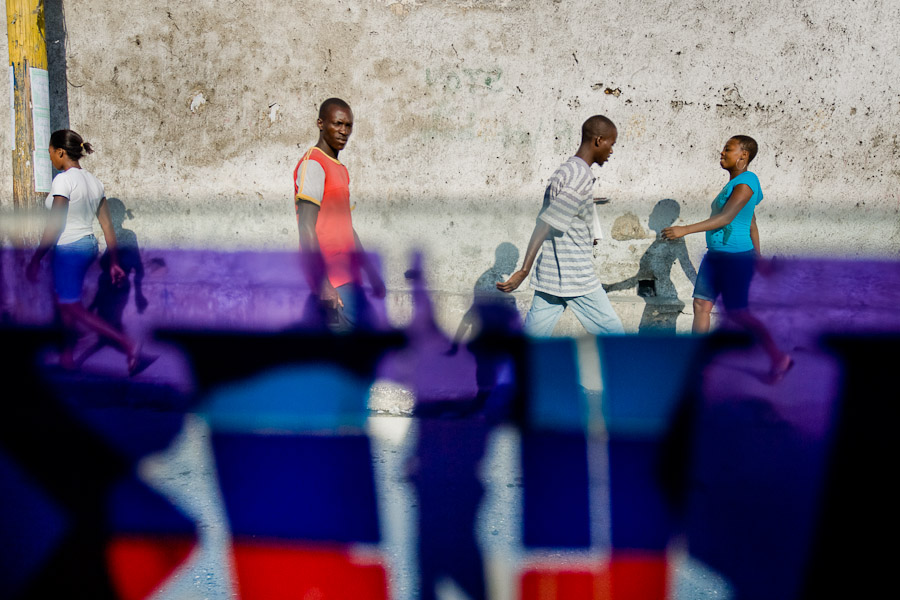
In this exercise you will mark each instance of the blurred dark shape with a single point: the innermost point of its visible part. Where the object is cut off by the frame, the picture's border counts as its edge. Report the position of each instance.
(566, 439)
(442, 383)
(449, 491)
(455, 419)
(66, 451)
(444, 380)
(222, 357)
(287, 413)
(266, 482)
(742, 465)
(653, 279)
(556, 505)
(852, 554)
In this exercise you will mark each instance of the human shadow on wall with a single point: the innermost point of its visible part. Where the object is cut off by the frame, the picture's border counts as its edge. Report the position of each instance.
(493, 314)
(453, 426)
(111, 299)
(57, 40)
(653, 279)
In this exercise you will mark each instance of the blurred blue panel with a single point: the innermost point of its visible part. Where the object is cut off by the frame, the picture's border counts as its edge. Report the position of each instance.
(643, 380)
(136, 419)
(312, 488)
(755, 497)
(316, 397)
(31, 526)
(557, 399)
(639, 514)
(556, 505)
(134, 508)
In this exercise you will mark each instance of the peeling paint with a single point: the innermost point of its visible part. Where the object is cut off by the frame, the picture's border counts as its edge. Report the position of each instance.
(197, 102)
(627, 227)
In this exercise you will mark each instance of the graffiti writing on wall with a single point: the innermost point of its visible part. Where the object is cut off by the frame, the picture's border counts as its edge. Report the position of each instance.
(473, 80)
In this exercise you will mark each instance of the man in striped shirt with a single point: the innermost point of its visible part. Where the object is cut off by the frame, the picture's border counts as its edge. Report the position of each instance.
(564, 274)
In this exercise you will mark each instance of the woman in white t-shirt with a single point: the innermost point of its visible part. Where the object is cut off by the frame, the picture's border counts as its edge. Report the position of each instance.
(76, 197)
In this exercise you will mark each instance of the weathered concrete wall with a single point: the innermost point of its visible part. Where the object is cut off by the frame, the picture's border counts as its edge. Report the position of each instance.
(463, 108)
(8, 135)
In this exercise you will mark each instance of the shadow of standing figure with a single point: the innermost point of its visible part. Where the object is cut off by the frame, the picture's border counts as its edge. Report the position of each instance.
(653, 279)
(111, 299)
(493, 313)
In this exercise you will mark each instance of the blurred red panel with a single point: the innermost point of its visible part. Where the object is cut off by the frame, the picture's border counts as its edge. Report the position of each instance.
(554, 583)
(139, 565)
(282, 572)
(639, 576)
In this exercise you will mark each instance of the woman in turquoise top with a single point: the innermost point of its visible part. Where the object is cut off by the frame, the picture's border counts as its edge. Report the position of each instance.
(732, 241)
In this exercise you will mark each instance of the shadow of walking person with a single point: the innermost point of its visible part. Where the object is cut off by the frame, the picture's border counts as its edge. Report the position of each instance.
(111, 299)
(493, 314)
(452, 432)
(506, 257)
(653, 279)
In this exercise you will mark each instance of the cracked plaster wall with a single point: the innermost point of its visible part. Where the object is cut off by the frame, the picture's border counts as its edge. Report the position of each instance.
(200, 110)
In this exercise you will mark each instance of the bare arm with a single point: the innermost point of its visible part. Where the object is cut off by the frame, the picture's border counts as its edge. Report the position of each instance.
(754, 236)
(736, 201)
(307, 216)
(765, 267)
(541, 231)
(56, 222)
(116, 273)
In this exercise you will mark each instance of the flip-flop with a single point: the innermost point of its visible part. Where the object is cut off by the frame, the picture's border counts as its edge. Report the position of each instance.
(139, 363)
(777, 375)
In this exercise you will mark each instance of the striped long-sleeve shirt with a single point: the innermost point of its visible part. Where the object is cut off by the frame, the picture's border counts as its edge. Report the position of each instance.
(564, 266)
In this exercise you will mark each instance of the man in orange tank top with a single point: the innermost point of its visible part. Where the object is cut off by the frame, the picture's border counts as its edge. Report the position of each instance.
(322, 201)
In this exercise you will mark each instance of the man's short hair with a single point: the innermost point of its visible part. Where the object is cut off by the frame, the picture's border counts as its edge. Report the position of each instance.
(326, 106)
(749, 144)
(596, 126)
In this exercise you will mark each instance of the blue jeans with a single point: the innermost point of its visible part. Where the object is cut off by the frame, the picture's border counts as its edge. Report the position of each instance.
(70, 265)
(593, 311)
(356, 310)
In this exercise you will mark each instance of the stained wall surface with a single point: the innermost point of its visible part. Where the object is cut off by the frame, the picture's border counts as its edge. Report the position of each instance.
(199, 111)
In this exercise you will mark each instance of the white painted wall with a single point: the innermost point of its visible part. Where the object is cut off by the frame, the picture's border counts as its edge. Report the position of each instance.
(464, 108)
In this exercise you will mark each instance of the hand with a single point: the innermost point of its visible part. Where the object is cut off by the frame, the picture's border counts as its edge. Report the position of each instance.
(31, 272)
(116, 274)
(514, 281)
(765, 266)
(330, 297)
(673, 233)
